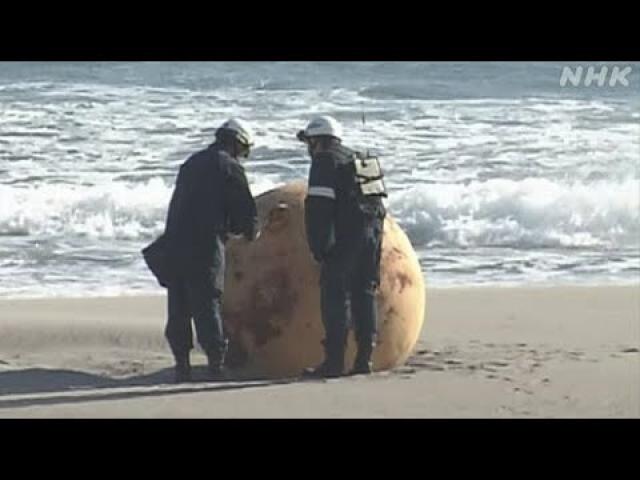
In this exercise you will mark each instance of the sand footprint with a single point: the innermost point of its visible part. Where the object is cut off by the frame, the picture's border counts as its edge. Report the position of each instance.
(453, 361)
(630, 350)
(498, 363)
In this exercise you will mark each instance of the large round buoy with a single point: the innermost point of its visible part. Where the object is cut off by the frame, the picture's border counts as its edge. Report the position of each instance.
(272, 296)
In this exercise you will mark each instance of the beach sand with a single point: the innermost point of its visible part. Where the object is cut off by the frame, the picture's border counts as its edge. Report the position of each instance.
(484, 353)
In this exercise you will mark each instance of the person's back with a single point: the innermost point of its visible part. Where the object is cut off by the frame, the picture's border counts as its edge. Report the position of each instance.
(353, 212)
(204, 206)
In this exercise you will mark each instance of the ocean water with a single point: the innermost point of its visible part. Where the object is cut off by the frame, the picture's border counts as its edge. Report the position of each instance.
(497, 173)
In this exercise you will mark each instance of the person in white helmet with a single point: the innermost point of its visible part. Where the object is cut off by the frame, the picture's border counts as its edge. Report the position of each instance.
(211, 200)
(344, 216)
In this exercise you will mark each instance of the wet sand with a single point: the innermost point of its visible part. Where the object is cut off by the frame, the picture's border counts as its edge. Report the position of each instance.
(484, 353)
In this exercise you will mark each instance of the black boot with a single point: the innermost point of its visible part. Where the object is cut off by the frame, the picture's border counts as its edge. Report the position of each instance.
(182, 368)
(324, 370)
(332, 366)
(216, 358)
(363, 364)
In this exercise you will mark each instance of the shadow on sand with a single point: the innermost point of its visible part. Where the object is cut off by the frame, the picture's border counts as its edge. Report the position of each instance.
(43, 386)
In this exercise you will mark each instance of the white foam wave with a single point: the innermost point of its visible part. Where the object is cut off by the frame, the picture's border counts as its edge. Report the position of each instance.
(531, 213)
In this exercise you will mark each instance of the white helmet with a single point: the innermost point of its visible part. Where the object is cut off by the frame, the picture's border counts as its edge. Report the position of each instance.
(240, 130)
(321, 126)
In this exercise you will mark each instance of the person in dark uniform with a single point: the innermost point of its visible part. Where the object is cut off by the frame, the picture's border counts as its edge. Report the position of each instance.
(211, 200)
(344, 216)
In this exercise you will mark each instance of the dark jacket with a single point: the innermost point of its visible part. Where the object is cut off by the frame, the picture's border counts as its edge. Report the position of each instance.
(336, 212)
(211, 199)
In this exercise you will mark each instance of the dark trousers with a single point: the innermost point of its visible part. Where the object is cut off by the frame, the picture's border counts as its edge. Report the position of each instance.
(349, 280)
(197, 294)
